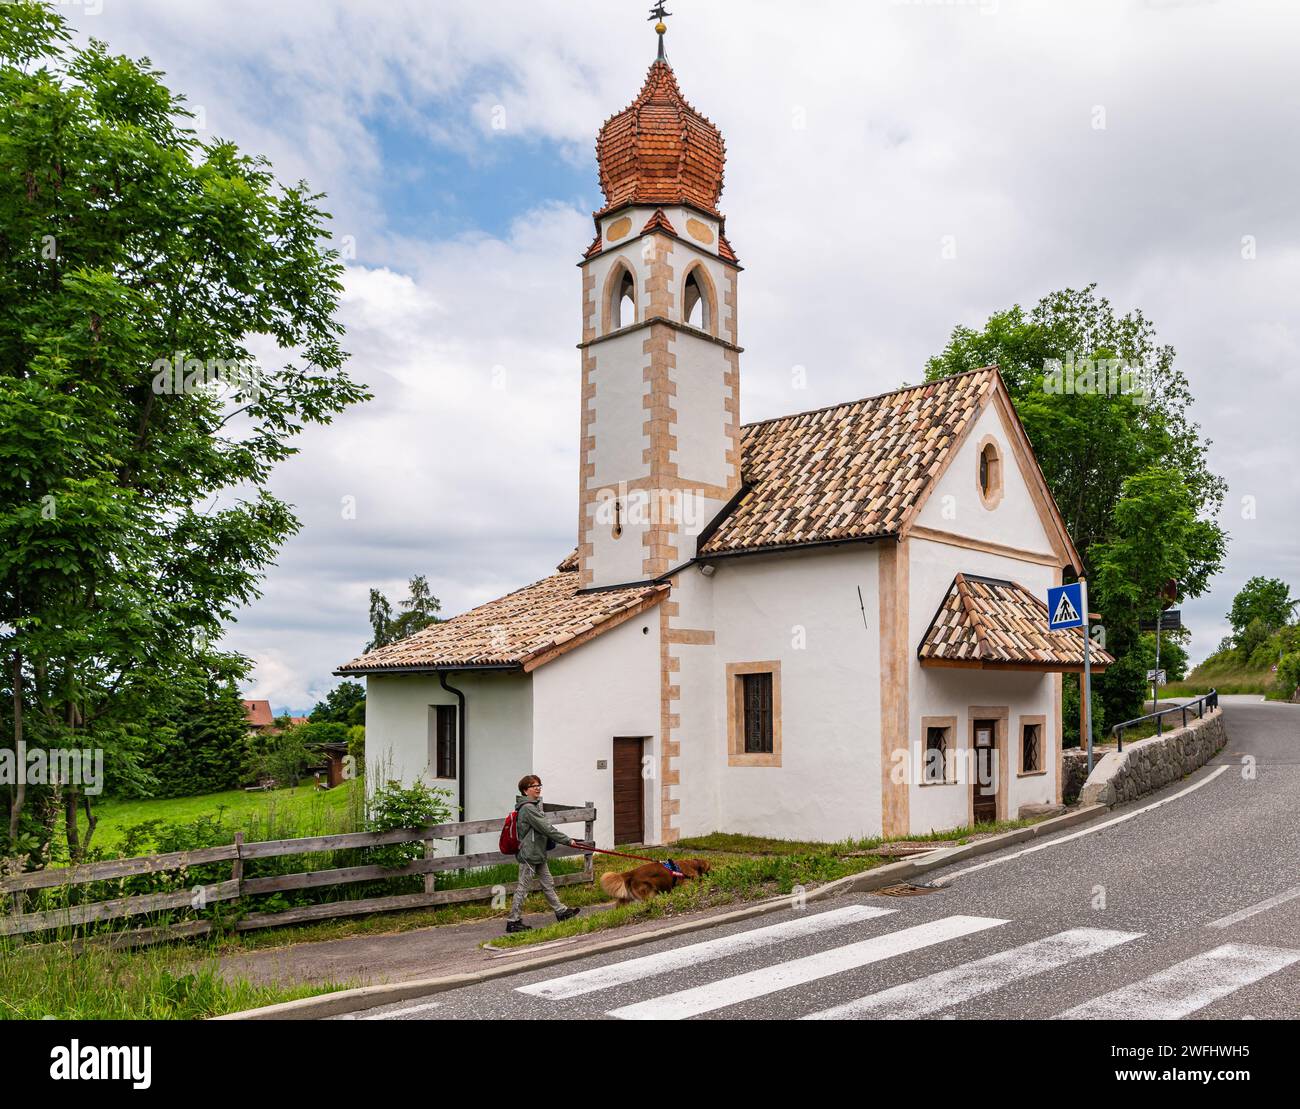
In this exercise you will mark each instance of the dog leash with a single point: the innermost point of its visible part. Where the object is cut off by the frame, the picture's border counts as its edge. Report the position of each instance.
(669, 866)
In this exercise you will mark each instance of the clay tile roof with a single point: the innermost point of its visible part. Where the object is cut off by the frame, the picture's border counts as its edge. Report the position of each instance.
(596, 247)
(852, 471)
(570, 562)
(522, 629)
(658, 222)
(991, 622)
(660, 150)
(258, 714)
(724, 249)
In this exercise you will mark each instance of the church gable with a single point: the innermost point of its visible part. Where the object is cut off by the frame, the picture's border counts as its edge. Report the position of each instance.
(990, 490)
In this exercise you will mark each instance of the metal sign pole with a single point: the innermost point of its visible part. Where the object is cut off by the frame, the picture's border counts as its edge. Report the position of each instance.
(1155, 682)
(1087, 670)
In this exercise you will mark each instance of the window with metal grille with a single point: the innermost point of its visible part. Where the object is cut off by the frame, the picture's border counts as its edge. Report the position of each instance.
(443, 756)
(1031, 751)
(936, 754)
(756, 702)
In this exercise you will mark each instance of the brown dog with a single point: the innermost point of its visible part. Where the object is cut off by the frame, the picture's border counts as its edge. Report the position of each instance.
(648, 879)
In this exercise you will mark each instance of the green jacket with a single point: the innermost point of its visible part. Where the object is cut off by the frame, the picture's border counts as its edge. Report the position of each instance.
(535, 831)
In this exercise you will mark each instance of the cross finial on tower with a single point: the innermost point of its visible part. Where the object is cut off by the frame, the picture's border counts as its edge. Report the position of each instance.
(660, 13)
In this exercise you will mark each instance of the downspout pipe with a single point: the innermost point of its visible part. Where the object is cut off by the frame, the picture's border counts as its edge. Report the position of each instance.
(460, 752)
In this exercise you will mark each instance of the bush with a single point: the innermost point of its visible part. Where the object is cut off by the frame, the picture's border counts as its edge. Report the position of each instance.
(394, 805)
(1288, 674)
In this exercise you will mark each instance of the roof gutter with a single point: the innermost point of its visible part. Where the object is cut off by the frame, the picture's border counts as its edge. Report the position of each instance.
(460, 752)
(785, 548)
(423, 668)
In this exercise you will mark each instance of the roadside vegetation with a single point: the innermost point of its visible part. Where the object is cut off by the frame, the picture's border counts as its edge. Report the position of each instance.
(159, 983)
(1263, 653)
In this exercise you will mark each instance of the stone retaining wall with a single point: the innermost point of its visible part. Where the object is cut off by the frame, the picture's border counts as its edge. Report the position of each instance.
(1149, 764)
(1074, 772)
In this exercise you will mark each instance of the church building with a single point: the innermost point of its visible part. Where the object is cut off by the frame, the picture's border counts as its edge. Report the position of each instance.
(825, 625)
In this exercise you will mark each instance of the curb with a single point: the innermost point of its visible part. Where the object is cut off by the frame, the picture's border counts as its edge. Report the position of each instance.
(369, 997)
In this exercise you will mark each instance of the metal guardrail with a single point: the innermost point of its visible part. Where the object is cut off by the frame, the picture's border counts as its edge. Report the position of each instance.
(1205, 701)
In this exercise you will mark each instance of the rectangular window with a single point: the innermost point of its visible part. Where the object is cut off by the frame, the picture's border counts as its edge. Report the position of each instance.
(936, 754)
(938, 750)
(754, 713)
(756, 690)
(442, 740)
(1031, 749)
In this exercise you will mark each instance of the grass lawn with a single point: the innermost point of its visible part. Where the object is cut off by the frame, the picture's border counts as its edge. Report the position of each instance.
(158, 983)
(266, 815)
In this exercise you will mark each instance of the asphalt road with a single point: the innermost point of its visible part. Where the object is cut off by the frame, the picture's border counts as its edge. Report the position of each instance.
(1187, 910)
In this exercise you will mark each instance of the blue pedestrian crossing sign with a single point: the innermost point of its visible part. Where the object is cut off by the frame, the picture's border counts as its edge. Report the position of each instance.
(1065, 606)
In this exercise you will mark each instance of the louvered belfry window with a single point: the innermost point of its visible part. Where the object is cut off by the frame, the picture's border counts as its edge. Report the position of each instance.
(756, 699)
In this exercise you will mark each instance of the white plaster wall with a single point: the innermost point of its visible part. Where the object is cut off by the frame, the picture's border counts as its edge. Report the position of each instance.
(955, 505)
(700, 682)
(498, 747)
(607, 687)
(945, 691)
(620, 443)
(828, 784)
(701, 431)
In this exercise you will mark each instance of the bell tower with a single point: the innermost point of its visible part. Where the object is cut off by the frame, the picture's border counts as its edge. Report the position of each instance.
(660, 428)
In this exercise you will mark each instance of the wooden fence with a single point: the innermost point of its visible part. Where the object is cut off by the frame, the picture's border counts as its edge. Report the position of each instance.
(197, 897)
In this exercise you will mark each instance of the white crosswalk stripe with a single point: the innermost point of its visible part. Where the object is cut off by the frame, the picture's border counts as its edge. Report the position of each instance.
(796, 972)
(630, 970)
(1185, 987)
(951, 987)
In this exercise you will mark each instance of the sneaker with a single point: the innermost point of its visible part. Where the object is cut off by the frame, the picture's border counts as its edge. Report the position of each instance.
(517, 926)
(567, 913)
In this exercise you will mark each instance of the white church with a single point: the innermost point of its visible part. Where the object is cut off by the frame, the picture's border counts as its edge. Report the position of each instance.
(830, 624)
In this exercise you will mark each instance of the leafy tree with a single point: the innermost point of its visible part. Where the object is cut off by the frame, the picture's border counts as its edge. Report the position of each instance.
(138, 268)
(1173, 653)
(1122, 463)
(419, 610)
(344, 704)
(1268, 600)
(201, 746)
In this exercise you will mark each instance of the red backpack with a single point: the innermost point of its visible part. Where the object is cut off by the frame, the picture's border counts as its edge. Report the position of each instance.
(509, 842)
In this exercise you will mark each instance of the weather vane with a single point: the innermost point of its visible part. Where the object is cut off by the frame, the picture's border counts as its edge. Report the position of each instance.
(660, 13)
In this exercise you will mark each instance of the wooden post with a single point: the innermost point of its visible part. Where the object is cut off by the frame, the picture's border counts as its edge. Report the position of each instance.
(237, 867)
(429, 851)
(589, 834)
(1083, 739)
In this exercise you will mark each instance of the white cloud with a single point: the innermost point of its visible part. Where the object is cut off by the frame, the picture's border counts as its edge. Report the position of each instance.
(858, 136)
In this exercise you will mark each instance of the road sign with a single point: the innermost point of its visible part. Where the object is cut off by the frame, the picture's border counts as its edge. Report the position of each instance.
(1065, 606)
(1170, 620)
(1157, 676)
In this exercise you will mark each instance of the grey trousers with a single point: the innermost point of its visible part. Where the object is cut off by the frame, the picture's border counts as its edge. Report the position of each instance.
(542, 872)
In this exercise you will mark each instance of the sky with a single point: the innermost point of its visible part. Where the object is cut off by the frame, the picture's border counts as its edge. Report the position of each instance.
(894, 169)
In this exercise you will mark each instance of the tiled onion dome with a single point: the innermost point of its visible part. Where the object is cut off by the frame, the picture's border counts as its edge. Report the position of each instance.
(660, 150)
